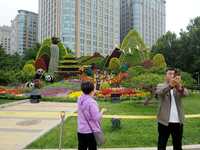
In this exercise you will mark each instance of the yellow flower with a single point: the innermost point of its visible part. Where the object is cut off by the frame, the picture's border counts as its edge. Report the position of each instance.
(75, 94)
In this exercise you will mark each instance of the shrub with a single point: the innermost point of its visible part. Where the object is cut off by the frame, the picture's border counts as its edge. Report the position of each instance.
(8, 76)
(135, 71)
(29, 69)
(62, 50)
(115, 65)
(159, 61)
(187, 79)
(147, 64)
(105, 85)
(23, 77)
(30, 61)
(143, 80)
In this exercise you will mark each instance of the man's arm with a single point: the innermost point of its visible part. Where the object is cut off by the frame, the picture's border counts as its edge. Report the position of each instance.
(182, 91)
(162, 89)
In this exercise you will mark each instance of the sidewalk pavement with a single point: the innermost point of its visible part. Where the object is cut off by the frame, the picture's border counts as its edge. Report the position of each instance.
(22, 123)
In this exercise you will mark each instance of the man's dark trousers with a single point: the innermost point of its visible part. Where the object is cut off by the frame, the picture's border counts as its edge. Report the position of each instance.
(173, 129)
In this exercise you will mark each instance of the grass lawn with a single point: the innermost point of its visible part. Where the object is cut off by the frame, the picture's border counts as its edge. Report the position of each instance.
(10, 98)
(128, 108)
(134, 133)
(4, 101)
(191, 106)
(65, 84)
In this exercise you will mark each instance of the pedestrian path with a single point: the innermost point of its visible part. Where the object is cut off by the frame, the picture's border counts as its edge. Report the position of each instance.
(22, 123)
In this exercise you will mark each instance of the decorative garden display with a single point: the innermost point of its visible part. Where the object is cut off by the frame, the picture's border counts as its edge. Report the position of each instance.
(69, 66)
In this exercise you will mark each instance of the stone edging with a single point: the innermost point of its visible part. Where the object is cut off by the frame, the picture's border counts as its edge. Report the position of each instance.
(14, 103)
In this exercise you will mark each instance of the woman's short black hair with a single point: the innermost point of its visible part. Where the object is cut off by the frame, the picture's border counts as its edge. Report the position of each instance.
(87, 87)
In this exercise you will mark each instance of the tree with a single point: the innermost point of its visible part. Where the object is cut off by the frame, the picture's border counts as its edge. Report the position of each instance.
(31, 53)
(168, 46)
(182, 52)
(11, 62)
(2, 51)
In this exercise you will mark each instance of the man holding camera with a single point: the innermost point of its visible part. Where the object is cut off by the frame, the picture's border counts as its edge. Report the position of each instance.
(170, 116)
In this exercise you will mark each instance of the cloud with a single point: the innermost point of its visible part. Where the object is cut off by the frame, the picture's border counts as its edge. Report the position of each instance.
(8, 9)
(180, 12)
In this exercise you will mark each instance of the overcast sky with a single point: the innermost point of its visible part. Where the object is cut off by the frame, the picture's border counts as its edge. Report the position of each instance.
(179, 12)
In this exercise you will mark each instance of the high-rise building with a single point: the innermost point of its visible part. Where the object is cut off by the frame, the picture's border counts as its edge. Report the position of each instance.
(86, 26)
(24, 31)
(148, 17)
(5, 38)
(49, 19)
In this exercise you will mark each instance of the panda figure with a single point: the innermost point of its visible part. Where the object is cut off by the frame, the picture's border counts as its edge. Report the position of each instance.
(39, 74)
(49, 78)
(29, 85)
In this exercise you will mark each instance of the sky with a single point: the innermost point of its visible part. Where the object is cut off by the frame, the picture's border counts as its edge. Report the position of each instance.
(178, 12)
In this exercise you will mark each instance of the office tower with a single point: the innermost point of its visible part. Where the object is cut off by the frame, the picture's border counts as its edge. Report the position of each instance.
(85, 26)
(24, 31)
(5, 38)
(148, 17)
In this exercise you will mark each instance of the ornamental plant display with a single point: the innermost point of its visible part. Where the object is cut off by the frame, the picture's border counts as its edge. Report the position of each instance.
(123, 92)
(74, 94)
(55, 92)
(9, 91)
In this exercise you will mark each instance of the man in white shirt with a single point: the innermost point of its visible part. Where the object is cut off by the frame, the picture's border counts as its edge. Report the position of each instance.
(170, 115)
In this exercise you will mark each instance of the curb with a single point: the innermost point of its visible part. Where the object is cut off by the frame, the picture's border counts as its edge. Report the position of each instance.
(14, 103)
(185, 147)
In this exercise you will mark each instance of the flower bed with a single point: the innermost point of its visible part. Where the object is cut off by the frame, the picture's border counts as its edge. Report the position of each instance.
(75, 94)
(9, 91)
(55, 92)
(122, 92)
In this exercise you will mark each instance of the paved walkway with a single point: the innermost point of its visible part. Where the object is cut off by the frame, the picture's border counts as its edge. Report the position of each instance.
(23, 123)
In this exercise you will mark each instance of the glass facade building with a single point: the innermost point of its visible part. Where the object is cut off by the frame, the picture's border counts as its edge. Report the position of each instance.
(24, 31)
(89, 26)
(148, 17)
(5, 38)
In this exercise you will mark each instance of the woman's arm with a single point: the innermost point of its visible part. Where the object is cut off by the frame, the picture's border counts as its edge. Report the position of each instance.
(96, 115)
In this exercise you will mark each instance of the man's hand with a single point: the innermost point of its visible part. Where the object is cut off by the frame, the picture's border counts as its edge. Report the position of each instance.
(173, 83)
(178, 83)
